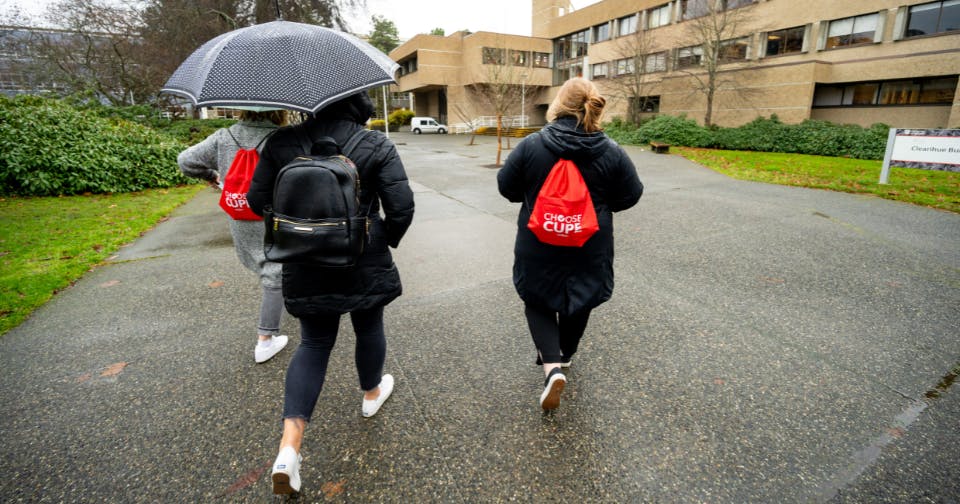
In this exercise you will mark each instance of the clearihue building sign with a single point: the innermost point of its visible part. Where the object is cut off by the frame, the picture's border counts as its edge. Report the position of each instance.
(928, 149)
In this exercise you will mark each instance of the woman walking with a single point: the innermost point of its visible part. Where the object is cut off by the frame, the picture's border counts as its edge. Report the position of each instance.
(318, 296)
(210, 160)
(560, 285)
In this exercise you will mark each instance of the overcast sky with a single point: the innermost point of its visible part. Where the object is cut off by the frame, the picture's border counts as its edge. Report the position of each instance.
(411, 16)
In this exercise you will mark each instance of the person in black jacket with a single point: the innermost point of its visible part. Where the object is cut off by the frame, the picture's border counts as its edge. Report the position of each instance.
(318, 296)
(560, 285)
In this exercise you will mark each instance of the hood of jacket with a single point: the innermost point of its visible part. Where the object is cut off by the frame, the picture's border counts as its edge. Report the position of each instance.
(564, 139)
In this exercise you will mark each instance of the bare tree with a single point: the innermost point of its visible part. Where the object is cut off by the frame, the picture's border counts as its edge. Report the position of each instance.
(712, 35)
(628, 75)
(503, 88)
(96, 51)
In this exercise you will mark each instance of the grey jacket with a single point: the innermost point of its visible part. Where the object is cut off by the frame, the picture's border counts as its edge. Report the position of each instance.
(212, 158)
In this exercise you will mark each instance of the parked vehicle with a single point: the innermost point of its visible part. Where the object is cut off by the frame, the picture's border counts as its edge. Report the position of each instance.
(420, 125)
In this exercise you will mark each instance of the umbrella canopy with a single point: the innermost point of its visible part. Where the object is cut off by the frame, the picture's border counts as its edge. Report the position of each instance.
(280, 64)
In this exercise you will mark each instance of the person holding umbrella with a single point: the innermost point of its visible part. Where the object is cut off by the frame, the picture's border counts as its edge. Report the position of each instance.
(324, 73)
(560, 285)
(317, 295)
(210, 160)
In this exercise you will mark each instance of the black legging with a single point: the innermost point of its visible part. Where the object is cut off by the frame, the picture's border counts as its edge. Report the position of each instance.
(308, 368)
(555, 335)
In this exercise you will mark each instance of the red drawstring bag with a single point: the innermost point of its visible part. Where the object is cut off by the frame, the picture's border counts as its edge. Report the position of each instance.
(563, 213)
(233, 199)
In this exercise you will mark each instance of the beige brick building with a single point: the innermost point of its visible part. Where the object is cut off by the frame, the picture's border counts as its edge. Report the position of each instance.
(850, 61)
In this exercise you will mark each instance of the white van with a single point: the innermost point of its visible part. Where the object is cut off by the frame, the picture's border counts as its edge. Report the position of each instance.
(427, 125)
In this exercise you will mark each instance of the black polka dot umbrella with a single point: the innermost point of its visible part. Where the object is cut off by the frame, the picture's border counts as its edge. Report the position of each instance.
(280, 64)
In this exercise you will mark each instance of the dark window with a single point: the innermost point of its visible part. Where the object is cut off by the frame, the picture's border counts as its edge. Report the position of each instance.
(733, 4)
(493, 55)
(927, 91)
(520, 58)
(541, 60)
(645, 104)
(601, 32)
(690, 9)
(689, 56)
(785, 41)
(731, 50)
(933, 17)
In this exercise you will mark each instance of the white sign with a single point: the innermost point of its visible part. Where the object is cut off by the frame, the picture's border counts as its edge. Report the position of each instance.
(928, 149)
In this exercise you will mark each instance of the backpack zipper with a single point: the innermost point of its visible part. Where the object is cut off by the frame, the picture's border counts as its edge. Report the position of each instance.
(300, 226)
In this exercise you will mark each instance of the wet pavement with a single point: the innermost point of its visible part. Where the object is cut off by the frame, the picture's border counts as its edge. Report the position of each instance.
(764, 344)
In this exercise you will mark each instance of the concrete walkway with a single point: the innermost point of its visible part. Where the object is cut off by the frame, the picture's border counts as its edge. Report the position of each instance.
(764, 344)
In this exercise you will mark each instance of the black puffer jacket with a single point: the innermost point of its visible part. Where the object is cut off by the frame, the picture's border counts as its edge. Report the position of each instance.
(375, 280)
(568, 279)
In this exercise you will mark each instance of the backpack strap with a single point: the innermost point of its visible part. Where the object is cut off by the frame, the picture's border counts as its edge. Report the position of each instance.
(353, 141)
(256, 147)
(305, 142)
(233, 137)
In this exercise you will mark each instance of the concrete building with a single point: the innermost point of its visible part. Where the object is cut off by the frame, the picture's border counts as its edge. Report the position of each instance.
(855, 61)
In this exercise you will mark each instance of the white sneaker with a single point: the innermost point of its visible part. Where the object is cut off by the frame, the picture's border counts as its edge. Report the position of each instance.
(552, 388)
(371, 407)
(263, 353)
(286, 472)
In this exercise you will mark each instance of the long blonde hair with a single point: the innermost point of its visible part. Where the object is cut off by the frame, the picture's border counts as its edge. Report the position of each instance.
(579, 98)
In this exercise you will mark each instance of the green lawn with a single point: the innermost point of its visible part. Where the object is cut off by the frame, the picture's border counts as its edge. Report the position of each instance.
(935, 189)
(48, 243)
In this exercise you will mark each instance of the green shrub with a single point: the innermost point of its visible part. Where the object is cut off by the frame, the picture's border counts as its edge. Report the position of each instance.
(48, 148)
(377, 124)
(623, 132)
(400, 118)
(821, 138)
(190, 131)
(675, 131)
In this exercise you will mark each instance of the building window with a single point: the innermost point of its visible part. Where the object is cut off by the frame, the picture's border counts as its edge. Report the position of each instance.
(601, 32)
(926, 91)
(627, 25)
(656, 62)
(571, 47)
(658, 16)
(541, 60)
(852, 31)
(599, 70)
(646, 104)
(408, 66)
(689, 56)
(520, 58)
(731, 50)
(690, 9)
(735, 4)
(933, 17)
(785, 41)
(493, 55)
(625, 66)
(568, 53)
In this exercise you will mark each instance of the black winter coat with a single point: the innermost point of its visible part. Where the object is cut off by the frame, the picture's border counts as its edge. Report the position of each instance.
(375, 280)
(568, 280)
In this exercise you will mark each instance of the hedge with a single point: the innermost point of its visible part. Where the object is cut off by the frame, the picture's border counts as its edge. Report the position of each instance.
(762, 134)
(49, 148)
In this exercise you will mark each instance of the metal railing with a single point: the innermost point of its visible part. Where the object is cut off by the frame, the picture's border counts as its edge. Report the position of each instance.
(517, 121)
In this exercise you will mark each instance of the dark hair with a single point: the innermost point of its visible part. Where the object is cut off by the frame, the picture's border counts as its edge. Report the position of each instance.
(356, 107)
